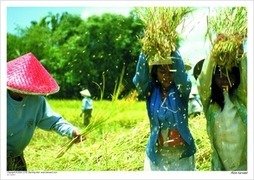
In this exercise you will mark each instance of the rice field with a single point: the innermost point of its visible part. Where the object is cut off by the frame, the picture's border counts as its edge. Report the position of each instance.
(116, 145)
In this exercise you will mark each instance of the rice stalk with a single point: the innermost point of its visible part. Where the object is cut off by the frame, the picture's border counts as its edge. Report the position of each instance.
(125, 150)
(230, 27)
(160, 36)
(118, 86)
(99, 120)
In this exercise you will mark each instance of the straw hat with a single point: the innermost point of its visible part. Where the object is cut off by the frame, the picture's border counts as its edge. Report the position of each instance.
(85, 93)
(26, 75)
(197, 68)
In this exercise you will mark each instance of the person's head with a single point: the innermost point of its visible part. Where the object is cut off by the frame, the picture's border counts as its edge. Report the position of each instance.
(224, 81)
(163, 75)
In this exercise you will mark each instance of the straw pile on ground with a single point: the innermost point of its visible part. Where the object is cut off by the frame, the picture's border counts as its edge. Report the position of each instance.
(161, 37)
(230, 27)
(100, 119)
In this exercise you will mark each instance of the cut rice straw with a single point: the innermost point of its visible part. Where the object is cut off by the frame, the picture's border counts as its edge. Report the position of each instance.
(161, 37)
(229, 25)
(99, 119)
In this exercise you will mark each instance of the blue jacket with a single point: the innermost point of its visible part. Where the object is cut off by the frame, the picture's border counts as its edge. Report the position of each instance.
(87, 103)
(177, 100)
(23, 117)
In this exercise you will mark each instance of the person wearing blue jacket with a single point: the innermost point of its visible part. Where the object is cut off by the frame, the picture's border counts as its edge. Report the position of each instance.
(27, 109)
(166, 87)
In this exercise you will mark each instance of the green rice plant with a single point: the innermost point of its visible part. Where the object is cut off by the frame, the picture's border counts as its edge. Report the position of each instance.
(229, 25)
(132, 96)
(160, 36)
(118, 86)
(102, 90)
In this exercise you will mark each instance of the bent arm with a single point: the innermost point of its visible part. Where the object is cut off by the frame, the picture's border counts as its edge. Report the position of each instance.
(64, 128)
(141, 78)
(204, 83)
(181, 78)
(50, 120)
(242, 88)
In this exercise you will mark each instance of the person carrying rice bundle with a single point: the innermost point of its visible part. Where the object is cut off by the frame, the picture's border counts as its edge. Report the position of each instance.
(162, 79)
(27, 84)
(222, 85)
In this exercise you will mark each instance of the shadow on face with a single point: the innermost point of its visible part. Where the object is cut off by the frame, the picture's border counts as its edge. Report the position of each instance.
(163, 74)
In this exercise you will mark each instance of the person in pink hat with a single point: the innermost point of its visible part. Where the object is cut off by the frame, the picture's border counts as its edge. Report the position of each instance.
(27, 84)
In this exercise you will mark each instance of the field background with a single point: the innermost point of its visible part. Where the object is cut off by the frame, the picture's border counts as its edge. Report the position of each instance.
(117, 145)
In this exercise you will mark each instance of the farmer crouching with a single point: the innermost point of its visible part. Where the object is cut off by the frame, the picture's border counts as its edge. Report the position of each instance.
(27, 84)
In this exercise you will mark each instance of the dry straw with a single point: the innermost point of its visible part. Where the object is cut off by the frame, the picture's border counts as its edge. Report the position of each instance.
(160, 36)
(99, 120)
(230, 27)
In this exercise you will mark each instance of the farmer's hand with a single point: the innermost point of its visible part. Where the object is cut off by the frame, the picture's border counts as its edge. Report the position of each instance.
(78, 136)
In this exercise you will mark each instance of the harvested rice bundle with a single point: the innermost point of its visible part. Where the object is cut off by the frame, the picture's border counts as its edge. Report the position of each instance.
(227, 50)
(99, 120)
(230, 27)
(161, 37)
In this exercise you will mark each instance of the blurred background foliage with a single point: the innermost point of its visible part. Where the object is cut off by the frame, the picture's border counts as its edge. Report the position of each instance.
(99, 53)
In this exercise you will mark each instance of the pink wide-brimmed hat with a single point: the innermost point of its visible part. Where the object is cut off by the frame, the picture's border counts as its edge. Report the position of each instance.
(26, 75)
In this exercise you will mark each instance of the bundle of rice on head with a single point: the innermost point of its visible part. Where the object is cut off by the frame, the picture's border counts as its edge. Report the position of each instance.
(230, 27)
(161, 37)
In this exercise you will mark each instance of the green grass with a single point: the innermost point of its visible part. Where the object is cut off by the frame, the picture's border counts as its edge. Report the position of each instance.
(118, 145)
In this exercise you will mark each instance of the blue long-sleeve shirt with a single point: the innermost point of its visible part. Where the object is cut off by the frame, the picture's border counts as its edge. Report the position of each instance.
(87, 103)
(176, 116)
(24, 116)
